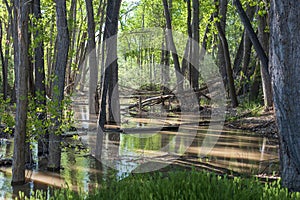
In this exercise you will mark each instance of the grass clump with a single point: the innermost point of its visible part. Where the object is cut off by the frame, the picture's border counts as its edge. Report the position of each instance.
(179, 185)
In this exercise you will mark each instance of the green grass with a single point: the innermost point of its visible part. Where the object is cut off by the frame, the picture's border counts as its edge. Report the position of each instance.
(178, 185)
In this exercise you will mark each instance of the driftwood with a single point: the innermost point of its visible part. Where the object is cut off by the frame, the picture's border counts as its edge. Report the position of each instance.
(152, 101)
(163, 97)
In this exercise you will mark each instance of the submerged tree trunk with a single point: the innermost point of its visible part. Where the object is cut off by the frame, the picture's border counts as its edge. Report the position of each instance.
(111, 30)
(59, 83)
(285, 61)
(21, 60)
(111, 66)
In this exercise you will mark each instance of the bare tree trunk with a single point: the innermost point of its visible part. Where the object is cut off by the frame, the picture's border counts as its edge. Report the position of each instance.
(7, 50)
(246, 56)
(4, 66)
(264, 40)
(284, 63)
(40, 89)
(111, 66)
(21, 60)
(72, 33)
(253, 37)
(170, 39)
(221, 61)
(195, 47)
(59, 82)
(93, 66)
(231, 87)
(111, 29)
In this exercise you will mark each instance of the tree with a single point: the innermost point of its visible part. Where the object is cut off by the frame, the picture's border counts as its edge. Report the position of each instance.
(111, 66)
(171, 45)
(284, 63)
(59, 83)
(40, 89)
(226, 57)
(260, 53)
(91, 52)
(21, 10)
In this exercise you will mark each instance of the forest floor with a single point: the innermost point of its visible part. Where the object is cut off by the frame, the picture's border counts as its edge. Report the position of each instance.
(262, 123)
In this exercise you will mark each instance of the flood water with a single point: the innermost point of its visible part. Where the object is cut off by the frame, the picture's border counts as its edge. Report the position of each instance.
(147, 144)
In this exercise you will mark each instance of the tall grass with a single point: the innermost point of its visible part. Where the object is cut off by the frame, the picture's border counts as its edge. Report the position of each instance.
(179, 185)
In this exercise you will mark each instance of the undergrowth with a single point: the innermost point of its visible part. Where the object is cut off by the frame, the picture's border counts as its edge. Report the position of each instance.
(177, 185)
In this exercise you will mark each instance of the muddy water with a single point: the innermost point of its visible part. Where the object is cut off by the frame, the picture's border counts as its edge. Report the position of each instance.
(147, 144)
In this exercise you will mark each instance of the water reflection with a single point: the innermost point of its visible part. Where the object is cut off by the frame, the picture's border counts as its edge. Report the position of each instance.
(142, 149)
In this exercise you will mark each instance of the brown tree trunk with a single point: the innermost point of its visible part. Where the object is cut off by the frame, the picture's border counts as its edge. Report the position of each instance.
(59, 82)
(284, 65)
(21, 60)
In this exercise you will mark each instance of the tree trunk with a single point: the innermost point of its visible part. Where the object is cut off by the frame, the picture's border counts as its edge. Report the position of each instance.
(4, 66)
(172, 47)
(264, 40)
(21, 60)
(221, 61)
(285, 60)
(40, 89)
(59, 82)
(231, 87)
(111, 29)
(111, 66)
(7, 50)
(72, 32)
(195, 62)
(91, 52)
(253, 37)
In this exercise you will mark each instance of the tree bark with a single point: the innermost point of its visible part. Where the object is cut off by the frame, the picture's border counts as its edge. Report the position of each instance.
(195, 62)
(21, 60)
(231, 87)
(59, 82)
(170, 39)
(40, 89)
(111, 29)
(284, 65)
(253, 37)
(91, 52)
(111, 66)
(221, 60)
(4, 66)
(266, 81)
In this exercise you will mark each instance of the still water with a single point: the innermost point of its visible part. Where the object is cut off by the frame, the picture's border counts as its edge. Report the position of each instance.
(147, 144)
